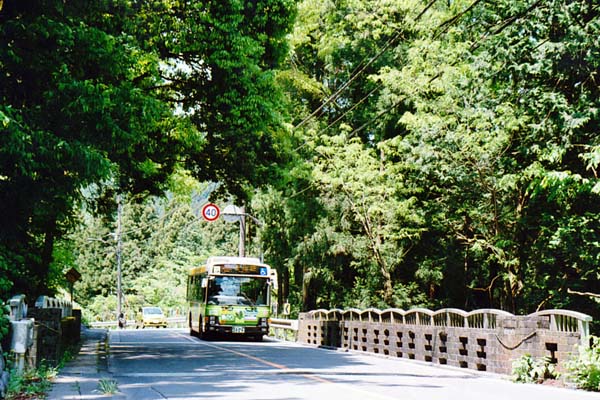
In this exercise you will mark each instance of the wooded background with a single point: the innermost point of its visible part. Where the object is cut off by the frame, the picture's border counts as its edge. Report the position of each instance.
(399, 153)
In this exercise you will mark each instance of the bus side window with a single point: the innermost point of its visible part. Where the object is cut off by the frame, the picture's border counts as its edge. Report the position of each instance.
(196, 289)
(202, 289)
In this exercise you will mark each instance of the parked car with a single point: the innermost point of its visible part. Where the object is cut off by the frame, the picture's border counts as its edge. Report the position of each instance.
(152, 316)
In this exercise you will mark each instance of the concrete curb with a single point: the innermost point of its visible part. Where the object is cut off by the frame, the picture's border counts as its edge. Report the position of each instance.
(80, 378)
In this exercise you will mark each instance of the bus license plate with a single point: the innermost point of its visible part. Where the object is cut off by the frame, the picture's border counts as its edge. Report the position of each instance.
(237, 329)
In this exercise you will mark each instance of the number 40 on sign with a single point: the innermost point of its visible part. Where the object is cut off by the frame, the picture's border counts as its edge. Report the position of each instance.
(210, 212)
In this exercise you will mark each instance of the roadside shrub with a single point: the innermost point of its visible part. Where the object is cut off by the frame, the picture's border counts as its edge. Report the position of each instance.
(31, 383)
(584, 370)
(528, 370)
(4, 320)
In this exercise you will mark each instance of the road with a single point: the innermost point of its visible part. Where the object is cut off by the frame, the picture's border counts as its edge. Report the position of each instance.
(170, 364)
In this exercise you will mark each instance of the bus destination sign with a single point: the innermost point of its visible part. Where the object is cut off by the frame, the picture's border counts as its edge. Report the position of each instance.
(243, 269)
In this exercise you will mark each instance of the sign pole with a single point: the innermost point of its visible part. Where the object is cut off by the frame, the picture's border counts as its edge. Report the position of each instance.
(242, 232)
(119, 249)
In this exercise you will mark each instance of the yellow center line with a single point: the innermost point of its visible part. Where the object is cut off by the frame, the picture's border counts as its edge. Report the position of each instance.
(367, 394)
(269, 363)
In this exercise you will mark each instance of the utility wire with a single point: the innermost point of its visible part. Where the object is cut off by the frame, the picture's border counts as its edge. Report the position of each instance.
(473, 47)
(335, 95)
(344, 114)
(449, 22)
(506, 23)
(446, 23)
(379, 115)
(354, 106)
(353, 77)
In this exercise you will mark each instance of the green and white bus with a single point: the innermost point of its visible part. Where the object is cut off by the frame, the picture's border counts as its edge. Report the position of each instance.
(230, 295)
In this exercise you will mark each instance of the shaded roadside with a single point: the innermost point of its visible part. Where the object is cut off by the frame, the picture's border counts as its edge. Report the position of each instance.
(80, 378)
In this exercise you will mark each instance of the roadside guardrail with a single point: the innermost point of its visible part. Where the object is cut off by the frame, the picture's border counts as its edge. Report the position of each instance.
(281, 329)
(284, 329)
(172, 322)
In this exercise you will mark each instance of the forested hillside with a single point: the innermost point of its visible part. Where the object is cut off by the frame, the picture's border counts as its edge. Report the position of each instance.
(106, 100)
(446, 155)
(399, 153)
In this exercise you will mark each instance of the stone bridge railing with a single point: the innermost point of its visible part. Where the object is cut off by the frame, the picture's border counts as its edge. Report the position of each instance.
(486, 340)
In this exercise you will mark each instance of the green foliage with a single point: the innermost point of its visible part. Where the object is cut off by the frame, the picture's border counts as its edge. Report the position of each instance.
(100, 308)
(468, 130)
(4, 320)
(162, 239)
(32, 383)
(437, 153)
(219, 59)
(584, 368)
(107, 386)
(528, 370)
(67, 79)
(117, 95)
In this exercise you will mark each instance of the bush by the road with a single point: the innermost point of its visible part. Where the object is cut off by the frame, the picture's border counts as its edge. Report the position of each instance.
(585, 368)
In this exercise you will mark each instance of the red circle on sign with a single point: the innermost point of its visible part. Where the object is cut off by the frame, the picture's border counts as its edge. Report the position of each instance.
(210, 212)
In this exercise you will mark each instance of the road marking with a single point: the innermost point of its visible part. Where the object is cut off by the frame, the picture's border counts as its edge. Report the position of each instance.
(292, 371)
(145, 343)
(169, 374)
(191, 374)
(188, 338)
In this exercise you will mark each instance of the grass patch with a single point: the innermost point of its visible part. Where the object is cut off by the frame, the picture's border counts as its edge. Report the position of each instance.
(32, 383)
(107, 386)
(35, 383)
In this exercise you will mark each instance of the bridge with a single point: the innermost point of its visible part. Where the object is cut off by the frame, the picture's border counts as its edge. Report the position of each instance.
(485, 340)
(170, 364)
(363, 354)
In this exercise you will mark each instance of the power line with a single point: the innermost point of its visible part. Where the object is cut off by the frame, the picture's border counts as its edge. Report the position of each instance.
(353, 77)
(446, 24)
(354, 106)
(379, 115)
(494, 30)
(506, 23)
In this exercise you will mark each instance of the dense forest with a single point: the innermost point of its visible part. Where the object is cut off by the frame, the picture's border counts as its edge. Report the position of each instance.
(399, 153)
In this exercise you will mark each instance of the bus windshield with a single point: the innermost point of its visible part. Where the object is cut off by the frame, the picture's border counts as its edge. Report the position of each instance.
(236, 290)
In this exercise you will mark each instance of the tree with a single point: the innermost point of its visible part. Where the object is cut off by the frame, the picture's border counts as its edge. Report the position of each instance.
(67, 77)
(486, 113)
(218, 58)
(88, 96)
(378, 209)
(163, 238)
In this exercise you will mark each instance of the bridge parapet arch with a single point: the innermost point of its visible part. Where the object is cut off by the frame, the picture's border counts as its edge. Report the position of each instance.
(484, 339)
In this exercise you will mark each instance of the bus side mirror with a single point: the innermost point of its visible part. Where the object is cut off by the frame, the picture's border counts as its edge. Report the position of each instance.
(204, 283)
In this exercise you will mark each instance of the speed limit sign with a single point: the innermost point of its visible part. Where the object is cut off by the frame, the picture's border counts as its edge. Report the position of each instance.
(210, 212)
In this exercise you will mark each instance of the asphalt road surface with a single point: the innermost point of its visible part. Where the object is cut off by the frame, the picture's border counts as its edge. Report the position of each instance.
(170, 364)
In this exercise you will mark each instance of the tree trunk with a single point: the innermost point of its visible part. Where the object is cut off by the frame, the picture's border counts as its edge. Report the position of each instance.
(41, 286)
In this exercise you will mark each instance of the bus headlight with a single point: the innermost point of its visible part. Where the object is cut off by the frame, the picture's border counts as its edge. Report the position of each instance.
(262, 322)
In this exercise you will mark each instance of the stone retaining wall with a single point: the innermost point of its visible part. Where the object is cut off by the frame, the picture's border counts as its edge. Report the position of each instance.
(51, 334)
(485, 340)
